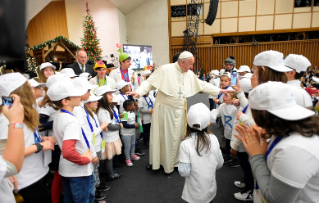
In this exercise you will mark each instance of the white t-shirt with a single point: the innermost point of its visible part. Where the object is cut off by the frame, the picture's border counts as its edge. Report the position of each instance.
(130, 120)
(51, 112)
(97, 132)
(33, 165)
(6, 187)
(228, 114)
(121, 99)
(104, 115)
(295, 161)
(200, 186)
(144, 108)
(67, 127)
(4, 127)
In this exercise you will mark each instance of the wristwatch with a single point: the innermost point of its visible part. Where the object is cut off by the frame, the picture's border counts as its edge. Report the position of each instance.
(39, 147)
(16, 125)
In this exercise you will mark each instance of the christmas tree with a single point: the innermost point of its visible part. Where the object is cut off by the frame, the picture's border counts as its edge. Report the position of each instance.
(89, 41)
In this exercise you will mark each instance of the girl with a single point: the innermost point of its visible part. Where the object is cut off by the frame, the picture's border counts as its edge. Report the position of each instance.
(45, 71)
(288, 170)
(199, 157)
(109, 114)
(101, 79)
(31, 181)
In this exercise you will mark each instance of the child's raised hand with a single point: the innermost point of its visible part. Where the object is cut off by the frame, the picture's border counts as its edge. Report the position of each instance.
(239, 113)
(121, 115)
(16, 112)
(95, 160)
(136, 125)
(216, 101)
(104, 126)
(235, 102)
(87, 154)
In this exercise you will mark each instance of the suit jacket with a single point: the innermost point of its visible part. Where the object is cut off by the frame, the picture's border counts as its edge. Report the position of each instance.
(78, 70)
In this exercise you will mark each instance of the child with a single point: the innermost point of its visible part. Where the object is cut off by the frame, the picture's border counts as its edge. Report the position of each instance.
(106, 112)
(215, 80)
(128, 132)
(37, 90)
(199, 157)
(228, 113)
(101, 78)
(146, 105)
(124, 88)
(45, 71)
(75, 166)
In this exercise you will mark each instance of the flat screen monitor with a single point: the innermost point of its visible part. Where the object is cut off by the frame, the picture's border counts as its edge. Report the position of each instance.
(141, 55)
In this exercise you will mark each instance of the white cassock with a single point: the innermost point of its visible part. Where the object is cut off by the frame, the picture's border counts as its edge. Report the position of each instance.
(170, 110)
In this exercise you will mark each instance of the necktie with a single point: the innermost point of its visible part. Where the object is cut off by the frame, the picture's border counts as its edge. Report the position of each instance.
(82, 67)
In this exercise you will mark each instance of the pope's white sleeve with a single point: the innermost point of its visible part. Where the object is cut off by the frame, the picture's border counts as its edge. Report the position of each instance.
(209, 88)
(144, 88)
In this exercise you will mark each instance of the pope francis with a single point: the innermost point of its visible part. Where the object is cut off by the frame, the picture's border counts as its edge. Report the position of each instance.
(174, 83)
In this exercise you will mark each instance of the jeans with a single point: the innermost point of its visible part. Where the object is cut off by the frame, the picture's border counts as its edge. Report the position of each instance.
(79, 189)
(129, 145)
(212, 104)
(243, 159)
(35, 193)
(146, 133)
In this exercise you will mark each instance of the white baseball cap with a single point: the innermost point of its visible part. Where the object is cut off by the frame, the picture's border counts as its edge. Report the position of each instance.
(222, 71)
(62, 90)
(198, 114)
(121, 83)
(278, 99)
(297, 62)
(82, 82)
(92, 98)
(146, 72)
(271, 59)
(245, 84)
(86, 75)
(68, 72)
(226, 74)
(34, 83)
(215, 72)
(314, 78)
(47, 64)
(243, 68)
(102, 90)
(10, 82)
(56, 78)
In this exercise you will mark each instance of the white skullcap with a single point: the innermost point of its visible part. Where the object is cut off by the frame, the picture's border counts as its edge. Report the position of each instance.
(185, 55)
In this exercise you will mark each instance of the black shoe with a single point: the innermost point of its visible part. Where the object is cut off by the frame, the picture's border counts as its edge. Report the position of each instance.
(139, 152)
(115, 176)
(234, 163)
(99, 195)
(227, 159)
(149, 167)
(140, 139)
(146, 146)
(117, 165)
(103, 188)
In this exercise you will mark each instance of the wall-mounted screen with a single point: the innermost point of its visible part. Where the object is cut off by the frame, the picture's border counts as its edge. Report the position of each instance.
(141, 55)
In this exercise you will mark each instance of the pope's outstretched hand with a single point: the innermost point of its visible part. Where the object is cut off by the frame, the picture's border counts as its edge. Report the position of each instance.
(133, 94)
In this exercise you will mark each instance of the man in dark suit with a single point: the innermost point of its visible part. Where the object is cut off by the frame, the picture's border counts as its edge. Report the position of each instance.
(81, 66)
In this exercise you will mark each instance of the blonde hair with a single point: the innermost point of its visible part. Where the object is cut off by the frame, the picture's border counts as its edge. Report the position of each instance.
(42, 78)
(31, 116)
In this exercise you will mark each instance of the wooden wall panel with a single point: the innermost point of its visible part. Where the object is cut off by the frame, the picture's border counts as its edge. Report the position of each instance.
(213, 57)
(48, 24)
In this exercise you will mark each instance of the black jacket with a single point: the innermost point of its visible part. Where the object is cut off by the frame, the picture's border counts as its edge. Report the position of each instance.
(78, 70)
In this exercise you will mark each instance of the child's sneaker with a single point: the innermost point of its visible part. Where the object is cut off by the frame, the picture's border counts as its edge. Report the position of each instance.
(128, 162)
(135, 157)
(227, 159)
(239, 184)
(245, 195)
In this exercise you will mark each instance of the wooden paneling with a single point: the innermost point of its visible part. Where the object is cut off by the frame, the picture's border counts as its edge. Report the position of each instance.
(213, 56)
(48, 24)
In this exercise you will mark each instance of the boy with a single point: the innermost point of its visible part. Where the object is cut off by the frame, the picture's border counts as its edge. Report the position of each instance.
(76, 166)
(123, 87)
(145, 106)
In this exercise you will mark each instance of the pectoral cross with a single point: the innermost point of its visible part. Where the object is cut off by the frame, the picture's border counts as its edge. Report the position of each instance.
(180, 92)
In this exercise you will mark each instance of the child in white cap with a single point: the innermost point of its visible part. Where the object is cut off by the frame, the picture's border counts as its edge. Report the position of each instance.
(124, 88)
(199, 157)
(75, 165)
(69, 72)
(244, 72)
(31, 178)
(106, 112)
(37, 89)
(215, 80)
(287, 169)
(45, 71)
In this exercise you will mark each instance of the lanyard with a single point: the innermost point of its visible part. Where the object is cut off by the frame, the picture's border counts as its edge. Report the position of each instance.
(220, 94)
(126, 76)
(37, 138)
(116, 116)
(149, 104)
(91, 127)
(97, 127)
(98, 81)
(272, 146)
(123, 97)
(86, 140)
(245, 109)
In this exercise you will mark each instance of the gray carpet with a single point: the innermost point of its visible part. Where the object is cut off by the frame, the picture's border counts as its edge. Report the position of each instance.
(137, 185)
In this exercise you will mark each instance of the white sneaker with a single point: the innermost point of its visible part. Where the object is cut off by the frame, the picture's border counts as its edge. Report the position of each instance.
(239, 184)
(246, 195)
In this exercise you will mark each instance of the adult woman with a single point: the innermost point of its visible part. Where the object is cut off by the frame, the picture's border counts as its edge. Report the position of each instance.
(288, 171)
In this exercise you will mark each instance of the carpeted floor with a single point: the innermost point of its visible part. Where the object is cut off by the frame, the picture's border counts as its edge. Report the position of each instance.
(137, 185)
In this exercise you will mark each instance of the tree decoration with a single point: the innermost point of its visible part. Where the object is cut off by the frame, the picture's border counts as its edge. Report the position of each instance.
(89, 41)
(44, 44)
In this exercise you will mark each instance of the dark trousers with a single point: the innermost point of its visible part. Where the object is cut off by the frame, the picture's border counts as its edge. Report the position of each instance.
(222, 129)
(227, 147)
(146, 133)
(35, 193)
(212, 104)
(243, 159)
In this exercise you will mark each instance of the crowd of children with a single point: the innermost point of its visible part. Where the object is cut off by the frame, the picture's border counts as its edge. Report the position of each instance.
(78, 128)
